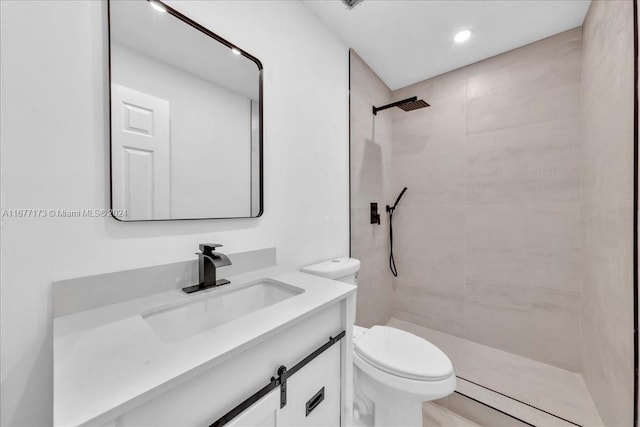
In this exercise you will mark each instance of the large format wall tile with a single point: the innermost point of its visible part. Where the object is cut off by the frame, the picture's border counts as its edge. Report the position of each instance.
(536, 83)
(373, 302)
(547, 63)
(429, 248)
(370, 154)
(608, 102)
(607, 286)
(428, 150)
(608, 156)
(521, 107)
(533, 245)
(535, 322)
(443, 311)
(608, 272)
(538, 163)
(607, 354)
(488, 239)
(429, 242)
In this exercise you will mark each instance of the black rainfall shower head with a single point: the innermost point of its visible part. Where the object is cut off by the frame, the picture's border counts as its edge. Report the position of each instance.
(414, 105)
(408, 104)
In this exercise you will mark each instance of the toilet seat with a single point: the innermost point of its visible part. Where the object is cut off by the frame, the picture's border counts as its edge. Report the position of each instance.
(403, 354)
(425, 390)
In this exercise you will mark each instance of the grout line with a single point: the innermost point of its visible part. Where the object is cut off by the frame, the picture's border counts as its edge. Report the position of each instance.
(572, 117)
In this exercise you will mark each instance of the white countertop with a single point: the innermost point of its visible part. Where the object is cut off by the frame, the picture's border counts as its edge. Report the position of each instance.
(108, 360)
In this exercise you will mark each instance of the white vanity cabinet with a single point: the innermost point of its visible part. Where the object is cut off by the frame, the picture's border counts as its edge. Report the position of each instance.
(316, 386)
(177, 360)
(313, 398)
(264, 413)
(206, 396)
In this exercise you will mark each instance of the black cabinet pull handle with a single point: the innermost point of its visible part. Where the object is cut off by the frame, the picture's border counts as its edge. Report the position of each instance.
(315, 401)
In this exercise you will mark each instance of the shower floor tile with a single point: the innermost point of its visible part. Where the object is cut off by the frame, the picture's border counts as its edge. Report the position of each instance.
(435, 415)
(514, 383)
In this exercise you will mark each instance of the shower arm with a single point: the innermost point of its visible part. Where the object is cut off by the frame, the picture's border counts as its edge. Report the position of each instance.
(395, 104)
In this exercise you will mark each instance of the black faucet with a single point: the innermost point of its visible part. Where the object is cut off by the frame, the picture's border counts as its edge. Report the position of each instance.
(208, 261)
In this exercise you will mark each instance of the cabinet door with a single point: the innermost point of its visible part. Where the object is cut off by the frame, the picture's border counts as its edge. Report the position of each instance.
(313, 393)
(264, 413)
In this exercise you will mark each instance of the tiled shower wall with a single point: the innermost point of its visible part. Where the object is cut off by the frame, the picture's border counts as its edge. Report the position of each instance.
(489, 236)
(607, 292)
(370, 153)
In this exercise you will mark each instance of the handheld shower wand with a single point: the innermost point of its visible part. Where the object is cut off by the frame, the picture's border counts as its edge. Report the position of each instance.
(390, 210)
(395, 205)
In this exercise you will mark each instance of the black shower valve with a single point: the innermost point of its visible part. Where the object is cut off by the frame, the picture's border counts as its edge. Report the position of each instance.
(375, 215)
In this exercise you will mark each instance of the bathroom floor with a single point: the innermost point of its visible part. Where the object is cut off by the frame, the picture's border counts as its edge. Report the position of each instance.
(497, 388)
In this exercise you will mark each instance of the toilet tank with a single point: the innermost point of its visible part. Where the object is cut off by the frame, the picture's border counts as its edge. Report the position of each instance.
(341, 269)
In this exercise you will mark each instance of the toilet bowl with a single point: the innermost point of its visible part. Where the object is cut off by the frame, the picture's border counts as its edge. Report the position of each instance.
(394, 370)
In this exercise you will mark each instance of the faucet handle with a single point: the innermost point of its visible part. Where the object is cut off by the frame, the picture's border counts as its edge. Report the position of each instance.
(209, 247)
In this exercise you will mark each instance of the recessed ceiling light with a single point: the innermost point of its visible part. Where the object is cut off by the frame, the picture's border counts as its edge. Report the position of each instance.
(157, 6)
(462, 36)
(235, 50)
(351, 3)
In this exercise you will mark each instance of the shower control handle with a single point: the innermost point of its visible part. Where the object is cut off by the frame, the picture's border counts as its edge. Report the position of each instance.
(375, 215)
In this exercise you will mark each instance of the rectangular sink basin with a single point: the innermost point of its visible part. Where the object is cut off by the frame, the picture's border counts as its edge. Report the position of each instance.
(216, 307)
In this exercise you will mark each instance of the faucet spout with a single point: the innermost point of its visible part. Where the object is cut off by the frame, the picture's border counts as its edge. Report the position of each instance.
(208, 262)
(206, 270)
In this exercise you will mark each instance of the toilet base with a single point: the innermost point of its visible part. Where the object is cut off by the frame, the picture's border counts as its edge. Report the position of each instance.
(376, 406)
(382, 399)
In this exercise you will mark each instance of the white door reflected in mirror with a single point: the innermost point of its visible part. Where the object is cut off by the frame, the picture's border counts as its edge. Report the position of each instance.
(140, 150)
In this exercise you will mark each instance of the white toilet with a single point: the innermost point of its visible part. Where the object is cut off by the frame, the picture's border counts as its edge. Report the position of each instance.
(395, 371)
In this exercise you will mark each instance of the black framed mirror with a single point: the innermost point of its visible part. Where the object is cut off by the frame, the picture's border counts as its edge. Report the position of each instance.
(185, 118)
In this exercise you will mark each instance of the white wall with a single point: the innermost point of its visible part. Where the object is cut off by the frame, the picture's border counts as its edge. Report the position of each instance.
(210, 136)
(54, 155)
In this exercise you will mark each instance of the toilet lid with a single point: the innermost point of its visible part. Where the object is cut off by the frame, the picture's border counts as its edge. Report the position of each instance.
(403, 354)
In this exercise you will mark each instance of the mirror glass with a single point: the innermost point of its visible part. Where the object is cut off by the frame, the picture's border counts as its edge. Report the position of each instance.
(186, 118)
